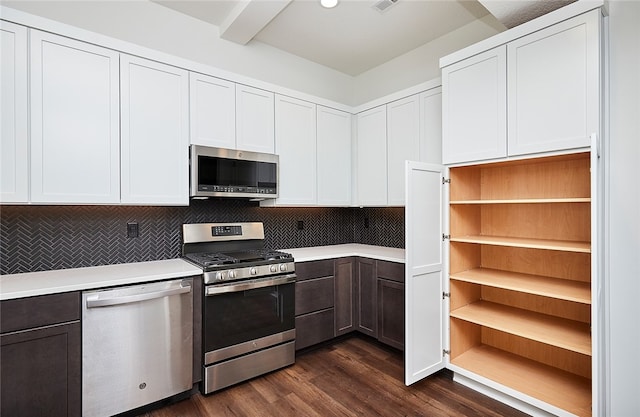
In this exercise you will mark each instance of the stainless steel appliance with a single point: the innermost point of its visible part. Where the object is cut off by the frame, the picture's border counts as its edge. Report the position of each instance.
(218, 172)
(137, 345)
(248, 302)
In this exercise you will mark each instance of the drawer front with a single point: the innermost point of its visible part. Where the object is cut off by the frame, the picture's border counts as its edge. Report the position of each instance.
(44, 310)
(392, 271)
(314, 328)
(313, 295)
(314, 269)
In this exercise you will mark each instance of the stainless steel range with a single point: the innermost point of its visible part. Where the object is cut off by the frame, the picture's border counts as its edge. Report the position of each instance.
(248, 302)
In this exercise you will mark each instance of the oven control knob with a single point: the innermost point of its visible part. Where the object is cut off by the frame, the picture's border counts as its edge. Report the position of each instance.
(283, 267)
(273, 268)
(253, 271)
(219, 276)
(232, 274)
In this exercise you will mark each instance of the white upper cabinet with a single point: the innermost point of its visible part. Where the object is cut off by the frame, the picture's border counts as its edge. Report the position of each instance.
(155, 133)
(553, 90)
(295, 130)
(431, 126)
(212, 111)
(474, 108)
(333, 150)
(403, 144)
(14, 162)
(254, 119)
(74, 121)
(371, 157)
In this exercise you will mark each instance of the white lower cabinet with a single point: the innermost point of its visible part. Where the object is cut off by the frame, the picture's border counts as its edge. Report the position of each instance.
(74, 121)
(501, 280)
(14, 152)
(155, 133)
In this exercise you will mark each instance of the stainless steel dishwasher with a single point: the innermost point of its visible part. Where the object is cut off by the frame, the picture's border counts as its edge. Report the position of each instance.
(137, 345)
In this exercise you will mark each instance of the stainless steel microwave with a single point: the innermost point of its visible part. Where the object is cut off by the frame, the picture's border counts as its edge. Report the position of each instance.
(218, 172)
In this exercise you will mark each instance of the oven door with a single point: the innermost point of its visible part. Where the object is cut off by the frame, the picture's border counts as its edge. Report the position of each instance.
(247, 316)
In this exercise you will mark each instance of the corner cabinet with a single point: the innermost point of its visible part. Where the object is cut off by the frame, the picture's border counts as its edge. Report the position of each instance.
(14, 142)
(518, 311)
(155, 133)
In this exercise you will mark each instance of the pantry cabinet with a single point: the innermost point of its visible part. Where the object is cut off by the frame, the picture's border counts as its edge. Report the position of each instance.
(212, 111)
(74, 121)
(474, 108)
(553, 86)
(14, 152)
(254, 119)
(155, 133)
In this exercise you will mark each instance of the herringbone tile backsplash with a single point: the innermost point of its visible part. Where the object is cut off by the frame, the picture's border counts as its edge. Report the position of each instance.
(39, 238)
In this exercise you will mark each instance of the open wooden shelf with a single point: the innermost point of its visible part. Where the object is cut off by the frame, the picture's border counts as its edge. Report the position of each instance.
(566, 334)
(517, 242)
(551, 385)
(563, 289)
(526, 201)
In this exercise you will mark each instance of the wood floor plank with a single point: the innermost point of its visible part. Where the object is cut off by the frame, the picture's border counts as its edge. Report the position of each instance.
(352, 377)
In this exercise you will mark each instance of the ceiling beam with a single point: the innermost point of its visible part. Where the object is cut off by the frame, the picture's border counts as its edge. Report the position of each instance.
(248, 18)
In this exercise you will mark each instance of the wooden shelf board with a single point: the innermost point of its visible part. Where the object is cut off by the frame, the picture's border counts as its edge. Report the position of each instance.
(525, 201)
(551, 385)
(562, 289)
(566, 334)
(518, 242)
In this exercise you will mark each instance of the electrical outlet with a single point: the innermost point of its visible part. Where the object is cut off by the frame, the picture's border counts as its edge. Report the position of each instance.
(300, 225)
(132, 229)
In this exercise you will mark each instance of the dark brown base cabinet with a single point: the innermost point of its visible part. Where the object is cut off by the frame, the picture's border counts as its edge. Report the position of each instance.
(337, 296)
(40, 356)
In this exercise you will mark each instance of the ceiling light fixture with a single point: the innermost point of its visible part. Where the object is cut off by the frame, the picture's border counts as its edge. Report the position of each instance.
(328, 4)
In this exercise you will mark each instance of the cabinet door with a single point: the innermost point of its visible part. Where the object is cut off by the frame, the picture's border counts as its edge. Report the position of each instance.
(345, 295)
(74, 121)
(403, 144)
(391, 313)
(155, 133)
(425, 328)
(14, 168)
(474, 108)
(254, 119)
(212, 111)
(41, 372)
(333, 151)
(371, 156)
(296, 145)
(431, 126)
(553, 86)
(367, 314)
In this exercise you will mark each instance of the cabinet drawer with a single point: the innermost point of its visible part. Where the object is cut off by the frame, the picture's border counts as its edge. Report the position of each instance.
(314, 294)
(314, 269)
(314, 328)
(44, 310)
(392, 271)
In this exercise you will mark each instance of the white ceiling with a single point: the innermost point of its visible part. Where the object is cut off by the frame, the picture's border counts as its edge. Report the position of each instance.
(351, 38)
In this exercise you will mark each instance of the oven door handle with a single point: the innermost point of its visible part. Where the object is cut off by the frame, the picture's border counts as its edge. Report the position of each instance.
(250, 285)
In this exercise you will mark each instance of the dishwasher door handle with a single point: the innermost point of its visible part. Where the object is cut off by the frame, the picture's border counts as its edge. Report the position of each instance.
(94, 301)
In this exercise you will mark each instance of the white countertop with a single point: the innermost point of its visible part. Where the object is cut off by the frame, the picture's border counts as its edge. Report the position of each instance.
(77, 279)
(316, 253)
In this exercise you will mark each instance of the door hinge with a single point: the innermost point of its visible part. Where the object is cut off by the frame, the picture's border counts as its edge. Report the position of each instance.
(445, 352)
(446, 180)
(445, 237)
(446, 294)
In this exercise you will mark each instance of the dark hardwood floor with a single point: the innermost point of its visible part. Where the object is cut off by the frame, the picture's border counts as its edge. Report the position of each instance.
(351, 377)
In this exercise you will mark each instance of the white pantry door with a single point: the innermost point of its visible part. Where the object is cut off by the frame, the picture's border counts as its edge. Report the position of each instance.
(425, 320)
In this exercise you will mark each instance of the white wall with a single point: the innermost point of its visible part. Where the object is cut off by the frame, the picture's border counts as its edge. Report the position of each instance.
(623, 206)
(157, 27)
(421, 64)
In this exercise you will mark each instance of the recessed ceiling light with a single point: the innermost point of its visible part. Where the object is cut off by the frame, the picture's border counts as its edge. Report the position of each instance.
(329, 3)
